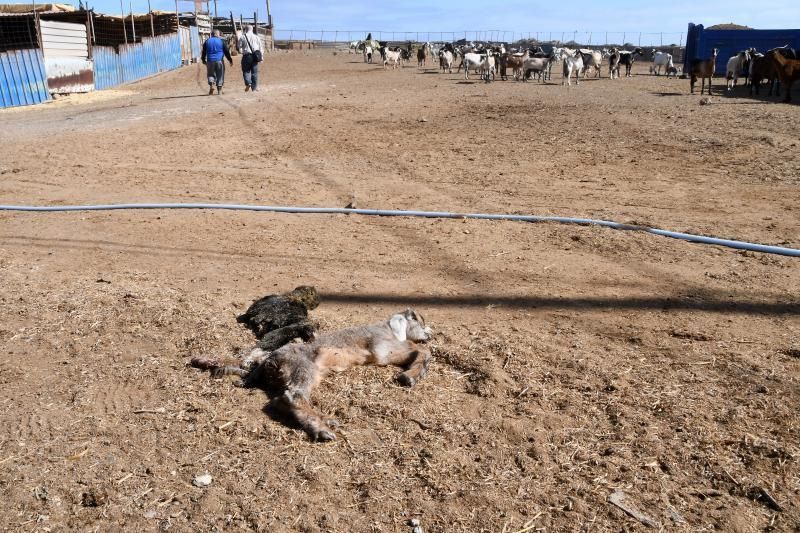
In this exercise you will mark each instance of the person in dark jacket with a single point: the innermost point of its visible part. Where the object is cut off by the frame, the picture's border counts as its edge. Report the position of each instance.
(214, 50)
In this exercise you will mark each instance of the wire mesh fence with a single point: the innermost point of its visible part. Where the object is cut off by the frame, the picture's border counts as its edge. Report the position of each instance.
(18, 33)
(589, 38)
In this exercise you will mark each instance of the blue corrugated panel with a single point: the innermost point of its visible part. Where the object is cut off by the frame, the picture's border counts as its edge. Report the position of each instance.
(105, 67)
(136, 61)
(22, 78)
(701, 41)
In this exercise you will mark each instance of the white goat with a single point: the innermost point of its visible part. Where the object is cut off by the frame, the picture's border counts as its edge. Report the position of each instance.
(572, 63)
(483, 63)
(660, 59)
(446, 61)
(393, 57)
(591, 58)
(537, 65)
(736, 65)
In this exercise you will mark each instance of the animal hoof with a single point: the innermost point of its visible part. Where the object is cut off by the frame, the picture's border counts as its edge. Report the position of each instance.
(325, 436)
(405, 380)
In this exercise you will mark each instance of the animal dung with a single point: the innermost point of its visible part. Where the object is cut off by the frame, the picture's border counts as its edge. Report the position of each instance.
(94, 498)
(202, 481)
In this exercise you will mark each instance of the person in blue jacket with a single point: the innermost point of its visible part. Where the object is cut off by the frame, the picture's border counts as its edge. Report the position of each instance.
(214, 50)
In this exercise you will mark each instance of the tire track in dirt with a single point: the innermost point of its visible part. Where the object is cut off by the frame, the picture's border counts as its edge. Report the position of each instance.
(33, 426)
(118, 399)
(423, 245)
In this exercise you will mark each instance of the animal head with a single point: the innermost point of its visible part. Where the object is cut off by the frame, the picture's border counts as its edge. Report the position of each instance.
(714, 52)
(638, 51)
(307, 295)
(409, 325)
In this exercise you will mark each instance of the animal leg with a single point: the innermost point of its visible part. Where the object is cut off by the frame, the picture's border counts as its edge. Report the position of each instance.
(300, 375)
(299, 408)
(415, 359)
(228, 370)
(417, 368)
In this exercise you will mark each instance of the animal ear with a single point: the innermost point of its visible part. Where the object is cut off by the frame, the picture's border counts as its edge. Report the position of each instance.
(398, 325)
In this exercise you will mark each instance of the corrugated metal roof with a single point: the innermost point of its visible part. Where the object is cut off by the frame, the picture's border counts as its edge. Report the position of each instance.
(28, 8)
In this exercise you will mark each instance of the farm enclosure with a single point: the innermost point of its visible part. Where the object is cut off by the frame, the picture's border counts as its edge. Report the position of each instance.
(571, 361)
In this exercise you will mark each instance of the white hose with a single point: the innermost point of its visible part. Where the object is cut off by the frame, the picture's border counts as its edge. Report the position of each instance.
(740, 245)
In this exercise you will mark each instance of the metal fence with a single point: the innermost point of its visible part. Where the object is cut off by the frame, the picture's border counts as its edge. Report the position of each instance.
(22, 78)
(590, 38)
(136, 61)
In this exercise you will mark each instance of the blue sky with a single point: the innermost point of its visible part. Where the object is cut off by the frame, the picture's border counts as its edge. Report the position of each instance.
(512, 15)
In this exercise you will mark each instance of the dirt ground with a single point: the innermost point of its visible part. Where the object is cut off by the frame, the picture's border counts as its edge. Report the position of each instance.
(571, 362)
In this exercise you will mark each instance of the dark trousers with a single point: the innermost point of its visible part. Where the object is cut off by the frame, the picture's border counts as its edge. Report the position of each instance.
(250, 71)
(215, 70)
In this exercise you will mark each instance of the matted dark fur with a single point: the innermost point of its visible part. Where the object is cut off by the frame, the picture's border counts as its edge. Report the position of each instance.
(272, 313)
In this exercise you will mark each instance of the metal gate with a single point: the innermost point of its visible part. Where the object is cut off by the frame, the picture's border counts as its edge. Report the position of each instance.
(66, 57)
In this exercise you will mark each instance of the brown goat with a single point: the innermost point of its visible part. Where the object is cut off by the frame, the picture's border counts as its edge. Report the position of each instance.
(514, 62)
(763, 68)
(788, 71)
(703, 68)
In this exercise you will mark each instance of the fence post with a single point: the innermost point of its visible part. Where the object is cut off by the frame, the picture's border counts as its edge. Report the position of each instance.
(124, 29)
(640, 38)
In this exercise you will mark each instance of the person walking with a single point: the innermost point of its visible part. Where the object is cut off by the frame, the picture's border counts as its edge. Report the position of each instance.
(249, 45)
(214, 51)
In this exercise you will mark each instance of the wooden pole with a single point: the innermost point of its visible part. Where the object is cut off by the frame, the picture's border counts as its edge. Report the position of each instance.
(133, 25)
(150, 10)
(124, 30)
(91, 22)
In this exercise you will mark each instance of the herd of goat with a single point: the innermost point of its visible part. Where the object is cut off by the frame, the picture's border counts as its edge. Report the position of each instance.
(779, 66)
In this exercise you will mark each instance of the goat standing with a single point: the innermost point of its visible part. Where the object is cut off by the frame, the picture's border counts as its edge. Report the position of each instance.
(703, 68)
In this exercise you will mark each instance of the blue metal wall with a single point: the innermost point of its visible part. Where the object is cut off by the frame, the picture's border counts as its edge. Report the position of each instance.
(135, 61)
(22, 78)
(700, 42)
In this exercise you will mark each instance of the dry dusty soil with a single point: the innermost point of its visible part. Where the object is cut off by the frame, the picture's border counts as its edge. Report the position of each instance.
(572, 362)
